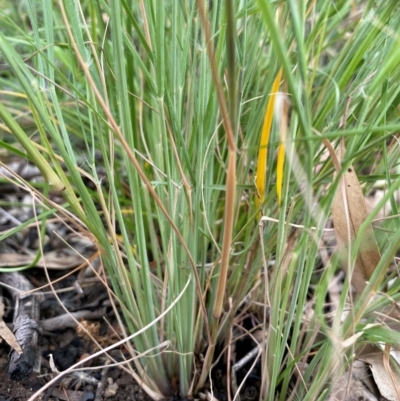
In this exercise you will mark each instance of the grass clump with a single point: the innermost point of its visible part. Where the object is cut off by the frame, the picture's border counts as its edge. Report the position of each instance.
(160, 106)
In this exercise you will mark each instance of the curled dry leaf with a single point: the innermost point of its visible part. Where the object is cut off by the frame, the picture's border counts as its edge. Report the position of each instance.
(349, 211)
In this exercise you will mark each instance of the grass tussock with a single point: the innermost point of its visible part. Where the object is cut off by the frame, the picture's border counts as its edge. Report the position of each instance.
(162, 107)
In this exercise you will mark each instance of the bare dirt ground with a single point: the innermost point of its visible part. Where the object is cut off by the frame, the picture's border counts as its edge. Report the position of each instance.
(98, 385)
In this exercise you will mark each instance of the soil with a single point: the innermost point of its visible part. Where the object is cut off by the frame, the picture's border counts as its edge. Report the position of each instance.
(67, 346)
(111, 384)
(21, 391)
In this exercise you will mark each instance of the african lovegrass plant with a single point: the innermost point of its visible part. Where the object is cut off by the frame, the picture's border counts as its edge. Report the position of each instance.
(161, 106)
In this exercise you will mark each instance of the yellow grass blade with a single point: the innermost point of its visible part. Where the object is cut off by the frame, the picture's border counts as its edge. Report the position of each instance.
(263, 151)
(280, 162)
(279, 170)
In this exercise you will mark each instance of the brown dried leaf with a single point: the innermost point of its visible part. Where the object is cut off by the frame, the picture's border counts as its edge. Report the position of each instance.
(9, 337)
(368, 255)
(386, 375)
(342, 390)
(6, 333)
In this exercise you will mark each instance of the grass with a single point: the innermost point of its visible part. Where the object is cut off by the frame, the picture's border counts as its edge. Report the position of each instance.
(160, 105)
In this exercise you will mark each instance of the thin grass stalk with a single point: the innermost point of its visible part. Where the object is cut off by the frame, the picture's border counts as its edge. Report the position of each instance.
(230, 187)
(231, 39)
(227, 239)
(231, 170)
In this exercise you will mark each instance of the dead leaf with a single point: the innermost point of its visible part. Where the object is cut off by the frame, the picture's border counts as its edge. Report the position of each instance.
(9, 337)
(342, 390)
(386, 379)
(368, 255)
(6, 333)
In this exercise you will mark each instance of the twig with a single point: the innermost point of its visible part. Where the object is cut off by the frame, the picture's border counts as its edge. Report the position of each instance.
(26, 328)
(69, 320)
